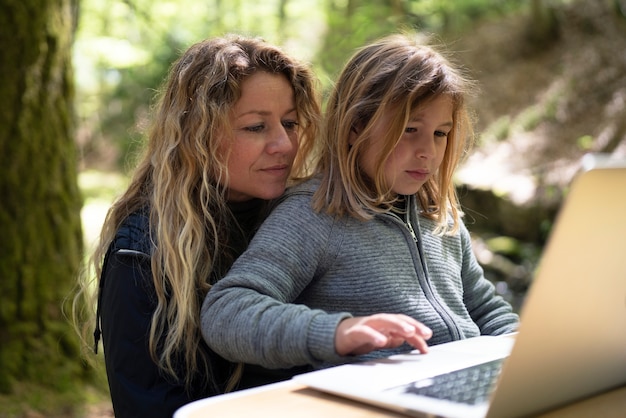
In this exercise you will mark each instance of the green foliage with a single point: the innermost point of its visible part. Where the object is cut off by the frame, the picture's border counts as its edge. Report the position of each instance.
(504, 245)
(585, 142)
(31, 399)
(454, 16)
(543, 110)
(500, 129)
(530, 117)
(124, 48)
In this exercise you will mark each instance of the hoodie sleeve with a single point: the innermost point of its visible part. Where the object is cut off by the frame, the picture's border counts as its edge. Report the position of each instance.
(492, 314)
(250, 315)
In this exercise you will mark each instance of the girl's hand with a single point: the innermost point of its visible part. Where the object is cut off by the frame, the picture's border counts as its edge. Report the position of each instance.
(360, 335)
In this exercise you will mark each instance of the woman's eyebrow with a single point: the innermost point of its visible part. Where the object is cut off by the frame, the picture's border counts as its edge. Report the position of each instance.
(261, 112)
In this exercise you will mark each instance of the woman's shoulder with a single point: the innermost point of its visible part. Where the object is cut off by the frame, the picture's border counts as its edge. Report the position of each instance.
(134, 233)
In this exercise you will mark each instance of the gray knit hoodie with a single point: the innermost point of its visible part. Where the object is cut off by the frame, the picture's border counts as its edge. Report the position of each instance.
(304, 272)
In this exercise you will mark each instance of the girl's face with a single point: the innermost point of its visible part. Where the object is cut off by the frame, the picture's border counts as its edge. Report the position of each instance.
(419, 152)
(265, 140)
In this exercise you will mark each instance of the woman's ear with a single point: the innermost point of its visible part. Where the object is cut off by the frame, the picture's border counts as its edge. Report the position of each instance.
(353, 136)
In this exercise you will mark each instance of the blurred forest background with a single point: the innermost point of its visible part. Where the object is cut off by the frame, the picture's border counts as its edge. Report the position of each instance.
(552, 75)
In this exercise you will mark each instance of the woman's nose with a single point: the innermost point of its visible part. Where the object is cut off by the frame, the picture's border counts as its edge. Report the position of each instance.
(280, 142)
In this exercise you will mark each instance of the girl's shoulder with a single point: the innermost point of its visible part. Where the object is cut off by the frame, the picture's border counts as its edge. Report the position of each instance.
(430, 225)
(304, 187)
(295, 208)
(297, 195)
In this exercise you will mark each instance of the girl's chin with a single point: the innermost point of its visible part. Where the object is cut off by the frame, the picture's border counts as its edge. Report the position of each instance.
(406, 191)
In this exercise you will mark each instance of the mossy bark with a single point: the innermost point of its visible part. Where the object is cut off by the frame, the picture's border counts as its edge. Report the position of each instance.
(41, 239)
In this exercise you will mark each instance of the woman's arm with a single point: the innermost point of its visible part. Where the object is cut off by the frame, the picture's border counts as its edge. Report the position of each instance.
(136, 384)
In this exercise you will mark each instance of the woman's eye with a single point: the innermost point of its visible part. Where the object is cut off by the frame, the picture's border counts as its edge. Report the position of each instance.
(290, 125)
(255, 128)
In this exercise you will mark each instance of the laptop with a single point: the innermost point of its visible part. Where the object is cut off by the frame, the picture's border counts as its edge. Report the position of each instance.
(571, 342)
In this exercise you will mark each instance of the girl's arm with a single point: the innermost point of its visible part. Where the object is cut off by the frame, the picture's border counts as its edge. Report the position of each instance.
(249, 316)
(492, 314)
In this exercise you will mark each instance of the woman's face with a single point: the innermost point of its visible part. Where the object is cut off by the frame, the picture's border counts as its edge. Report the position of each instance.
(419, 152)
(265, 140)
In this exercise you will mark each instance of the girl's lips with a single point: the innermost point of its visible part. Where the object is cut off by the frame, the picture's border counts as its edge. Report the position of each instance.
(418, 174)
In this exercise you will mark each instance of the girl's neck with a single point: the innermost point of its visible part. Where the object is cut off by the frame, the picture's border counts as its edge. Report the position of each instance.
(399, 206)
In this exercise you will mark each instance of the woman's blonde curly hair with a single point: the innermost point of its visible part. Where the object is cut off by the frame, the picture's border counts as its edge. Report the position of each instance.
(180, 178)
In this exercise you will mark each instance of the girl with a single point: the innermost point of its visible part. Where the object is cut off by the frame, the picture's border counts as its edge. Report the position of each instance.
(377, 230)
(225, 137)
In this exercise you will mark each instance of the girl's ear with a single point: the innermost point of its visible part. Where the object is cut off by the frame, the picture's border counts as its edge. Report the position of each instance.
(352, 138)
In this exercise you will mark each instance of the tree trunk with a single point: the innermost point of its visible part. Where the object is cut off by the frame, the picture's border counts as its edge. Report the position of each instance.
(41, 243)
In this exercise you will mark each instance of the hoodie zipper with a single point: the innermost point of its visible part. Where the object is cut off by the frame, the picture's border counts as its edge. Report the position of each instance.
(407, 222)
(426, 285)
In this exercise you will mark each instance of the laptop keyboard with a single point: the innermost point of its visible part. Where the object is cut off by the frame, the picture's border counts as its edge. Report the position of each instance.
(471, 385)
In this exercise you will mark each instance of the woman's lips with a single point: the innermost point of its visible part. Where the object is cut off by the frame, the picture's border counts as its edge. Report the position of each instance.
(277, 170)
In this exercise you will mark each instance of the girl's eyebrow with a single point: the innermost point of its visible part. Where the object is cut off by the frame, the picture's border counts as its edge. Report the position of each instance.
(447, 124)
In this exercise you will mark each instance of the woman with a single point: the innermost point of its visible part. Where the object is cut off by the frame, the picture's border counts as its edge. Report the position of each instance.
(236, 118)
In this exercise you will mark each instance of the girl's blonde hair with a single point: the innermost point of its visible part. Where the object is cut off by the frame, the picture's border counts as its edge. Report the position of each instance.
(395, 75)
(180, 179)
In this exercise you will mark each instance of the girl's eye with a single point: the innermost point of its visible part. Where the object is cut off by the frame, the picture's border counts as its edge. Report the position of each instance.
(441, 134)
(410, 130)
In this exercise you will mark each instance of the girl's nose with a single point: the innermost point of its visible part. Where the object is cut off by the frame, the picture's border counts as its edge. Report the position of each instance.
(425, 147)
